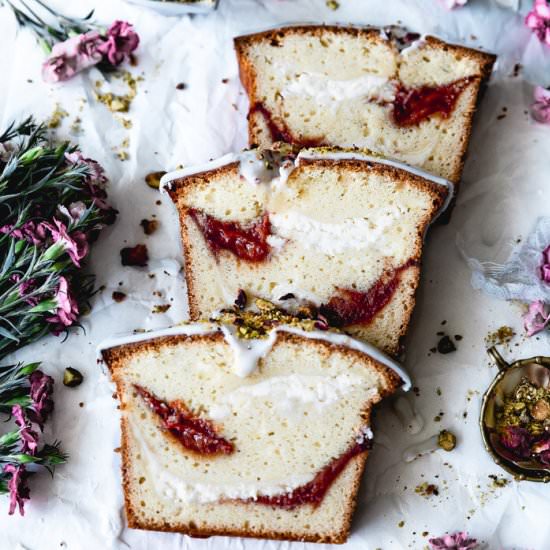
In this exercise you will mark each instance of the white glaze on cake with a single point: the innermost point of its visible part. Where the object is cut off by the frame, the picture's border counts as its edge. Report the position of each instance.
(248, 352)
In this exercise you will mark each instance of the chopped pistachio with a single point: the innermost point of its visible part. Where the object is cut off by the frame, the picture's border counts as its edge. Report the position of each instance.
(332, 4)
(57, 116)
(446, 440)
(72, 377)
(153, 179)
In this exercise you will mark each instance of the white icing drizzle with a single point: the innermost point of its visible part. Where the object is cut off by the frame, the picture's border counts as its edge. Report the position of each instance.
(248, 352)
(415, 45)
(411, 420)
(326, 90)
(420, 449)
(251, 171)
(196, 169)
(188, 329)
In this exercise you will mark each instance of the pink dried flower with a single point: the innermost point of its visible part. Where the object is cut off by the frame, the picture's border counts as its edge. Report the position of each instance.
(545, 266)
(540, 109)
(28, 437)
(538, 20)
(121, 41)
(74, 211)
(32, 232)
(75, 244)
(41, 394)
(96, 172)
(24, 288)
(17, 486)
(456, 541)
(516, 439)
(67, 307)
(452, 4)
(72, 56)
(537, 318)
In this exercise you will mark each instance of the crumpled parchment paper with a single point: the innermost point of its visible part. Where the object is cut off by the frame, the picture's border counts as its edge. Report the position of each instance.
(505, 189)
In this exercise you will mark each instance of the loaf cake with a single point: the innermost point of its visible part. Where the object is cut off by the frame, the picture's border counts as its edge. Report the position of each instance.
(373, 89)
(254, 425)
(336, 232)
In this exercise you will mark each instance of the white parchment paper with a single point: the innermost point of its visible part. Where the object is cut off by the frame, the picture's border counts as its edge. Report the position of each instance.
(506, 187)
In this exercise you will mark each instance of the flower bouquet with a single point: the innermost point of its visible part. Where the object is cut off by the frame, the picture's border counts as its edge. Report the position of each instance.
(53, 207)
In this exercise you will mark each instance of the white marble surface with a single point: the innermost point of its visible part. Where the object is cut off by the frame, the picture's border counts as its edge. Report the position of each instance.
(505, 188)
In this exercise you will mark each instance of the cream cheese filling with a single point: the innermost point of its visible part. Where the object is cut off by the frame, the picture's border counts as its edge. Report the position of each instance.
(334, 238)
(290, 396)
(326, 90)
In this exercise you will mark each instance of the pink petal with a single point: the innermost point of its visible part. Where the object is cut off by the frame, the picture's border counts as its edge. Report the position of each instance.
(542, 9)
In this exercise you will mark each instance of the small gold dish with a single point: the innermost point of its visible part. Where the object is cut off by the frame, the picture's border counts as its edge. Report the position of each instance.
(537, 371)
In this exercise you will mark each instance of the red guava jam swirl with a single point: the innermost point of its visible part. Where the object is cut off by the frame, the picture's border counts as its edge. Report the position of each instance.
(314, 491)
(350, 307)
(413, 105)
(246, 242)
(280, 131)
(194, 433)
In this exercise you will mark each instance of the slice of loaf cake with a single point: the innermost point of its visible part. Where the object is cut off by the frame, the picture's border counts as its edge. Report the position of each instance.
(338, 232)
(352, 87)
(225, 434)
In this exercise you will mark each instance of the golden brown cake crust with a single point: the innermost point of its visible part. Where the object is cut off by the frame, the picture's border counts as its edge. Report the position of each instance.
(248, 75)
(115, 358)
(438, 193)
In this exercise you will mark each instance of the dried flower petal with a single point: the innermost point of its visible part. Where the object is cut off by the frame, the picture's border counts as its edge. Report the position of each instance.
(537, 318)
(121, 41)
(516, 439)
(135, 256)
(67, 307)
(538, 20)
(456, 541)
(17, 486)
(72, 56)
(28, 437)
(41, 394)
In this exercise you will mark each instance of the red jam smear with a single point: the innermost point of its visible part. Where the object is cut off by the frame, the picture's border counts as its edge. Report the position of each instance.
(413, 105)
(314, 491)
(194, 433)
(246, 242)
(280, 131)
(350, 307)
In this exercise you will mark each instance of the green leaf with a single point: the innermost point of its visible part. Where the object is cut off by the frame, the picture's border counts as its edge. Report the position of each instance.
(44, 305)
(31, 155)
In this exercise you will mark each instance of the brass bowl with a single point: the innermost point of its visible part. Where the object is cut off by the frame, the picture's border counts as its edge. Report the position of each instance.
(537, 371)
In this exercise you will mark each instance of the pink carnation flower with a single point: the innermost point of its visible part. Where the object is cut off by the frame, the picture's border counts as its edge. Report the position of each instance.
(72, 56)
(538, 20)
(537, 318)
(121, 41)
(32, 232)
(17, 486)
(540, 109)
(41, 394)
(452, 4)
(67, 307)
(75, 244)
(457, 541)
(28, 437)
